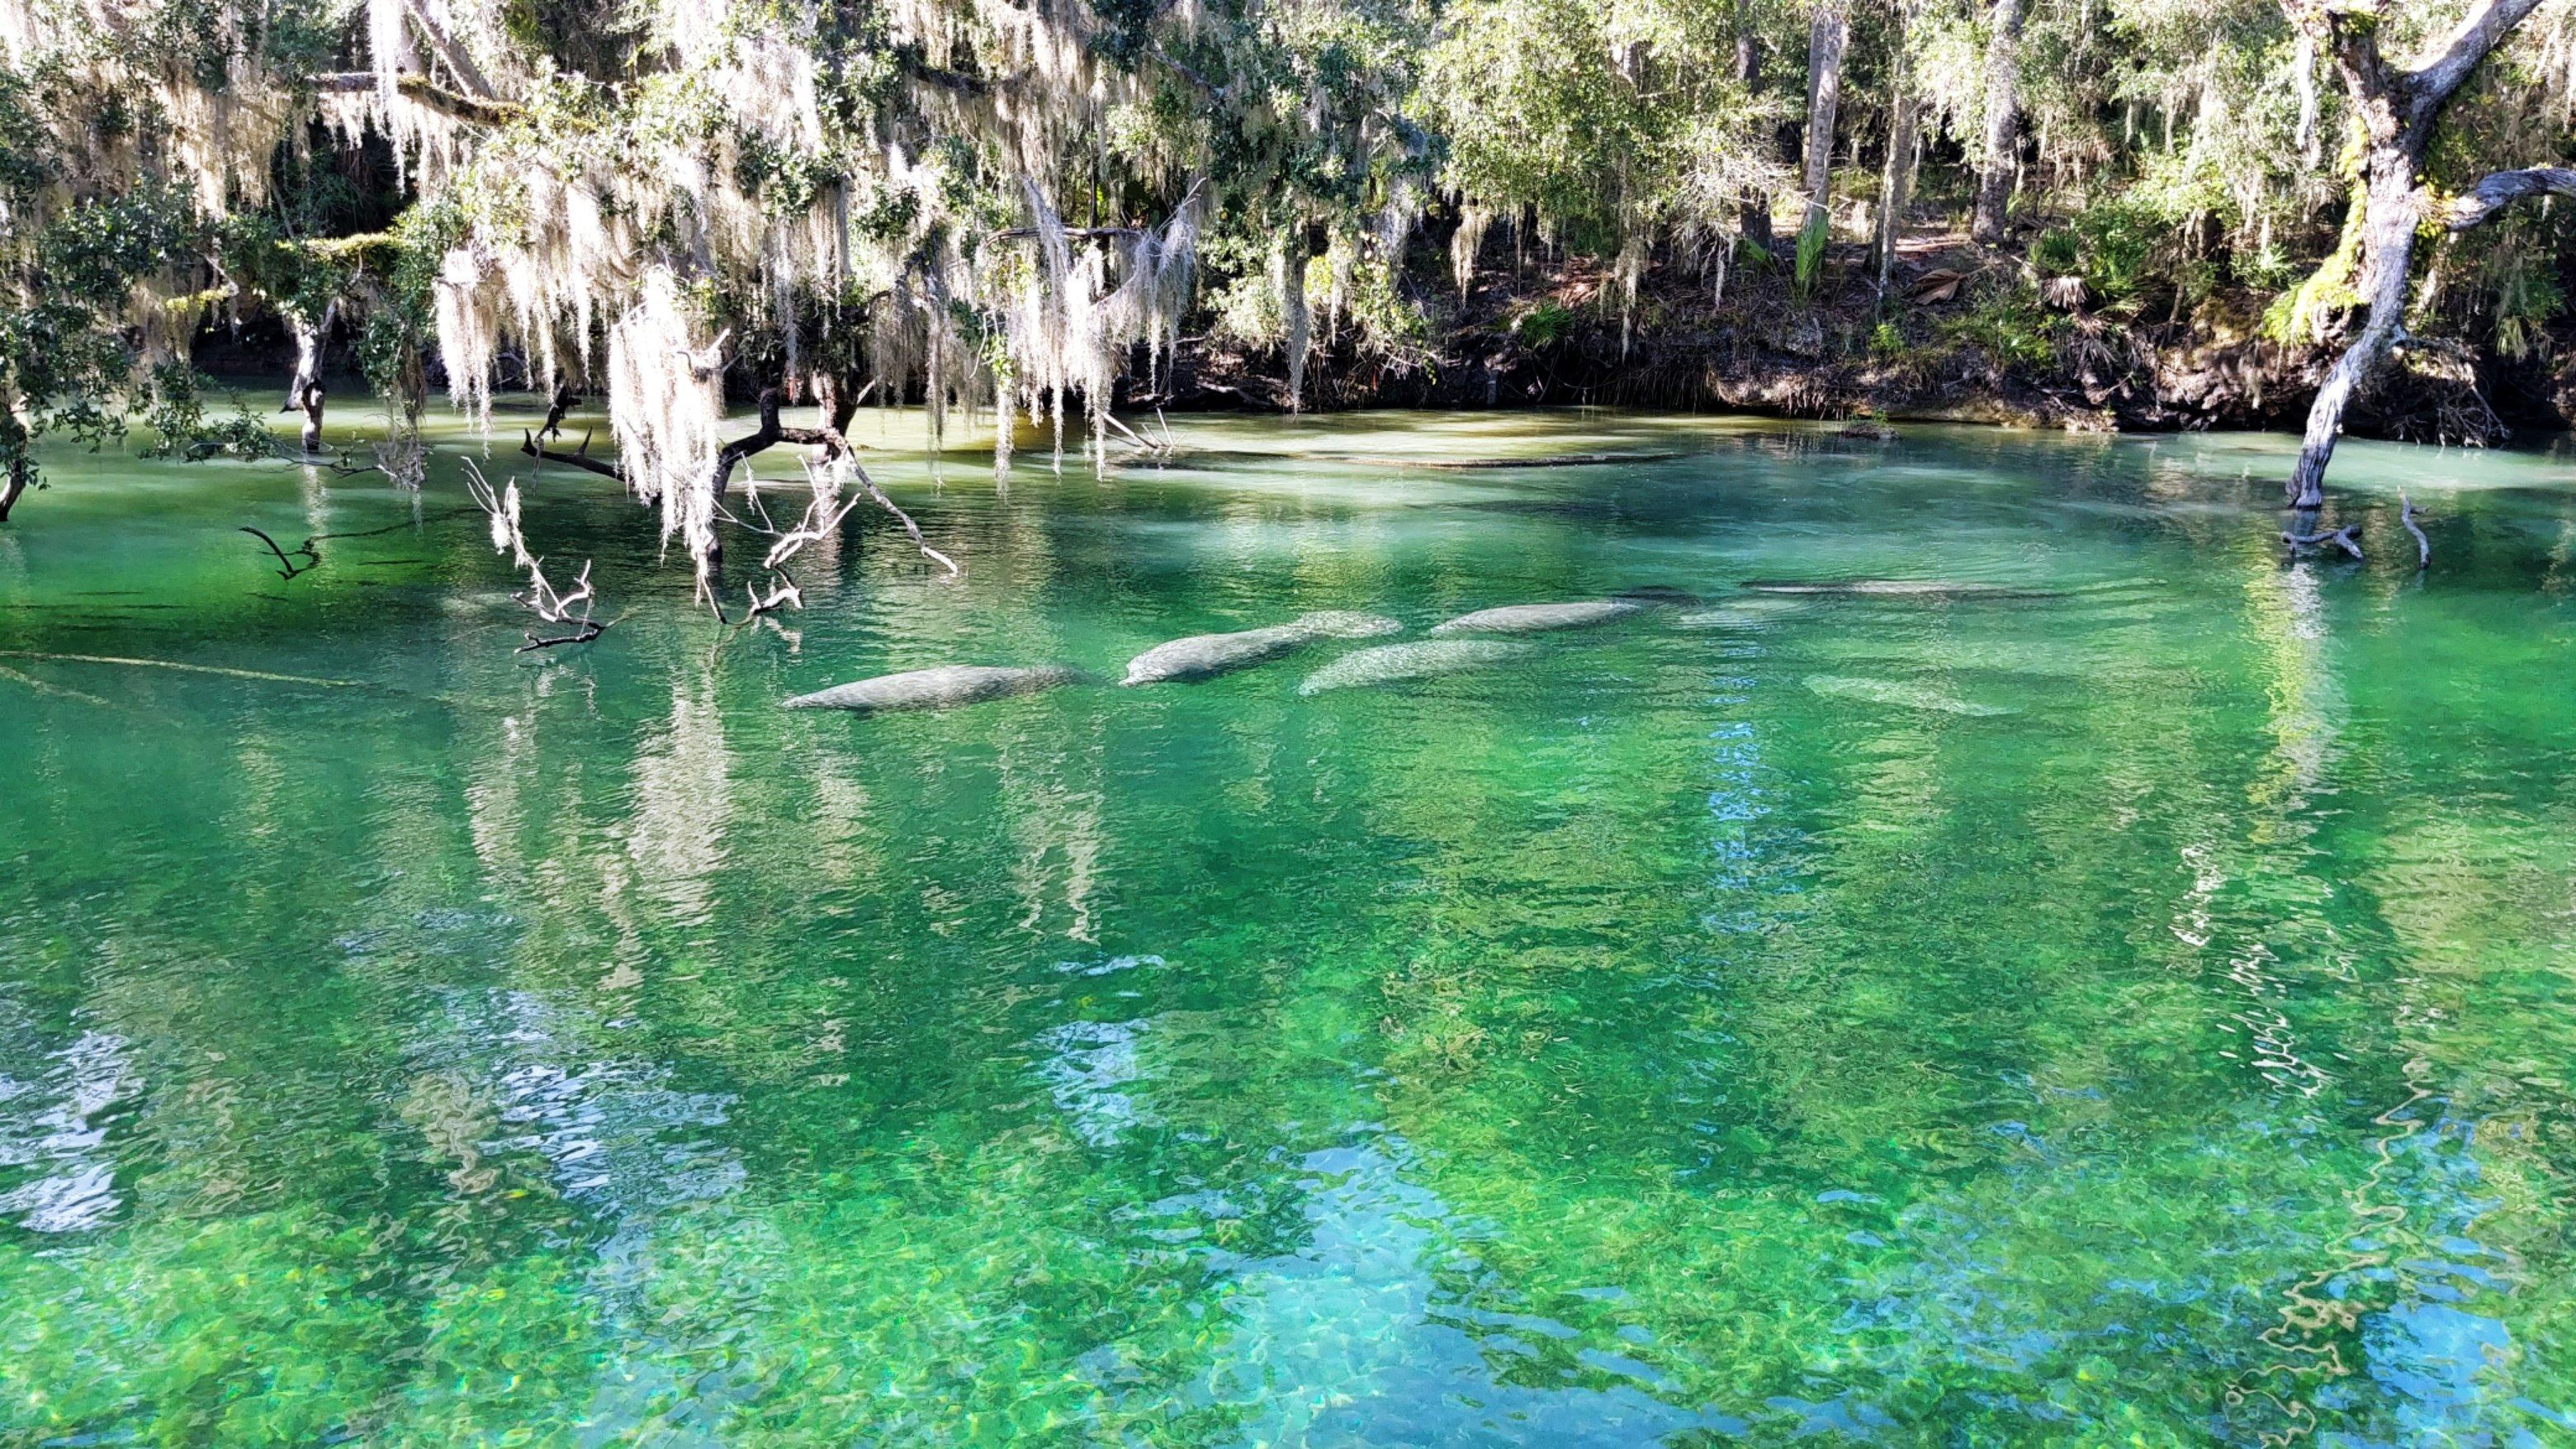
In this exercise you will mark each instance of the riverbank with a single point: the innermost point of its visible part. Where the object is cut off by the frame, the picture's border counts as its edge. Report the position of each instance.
(1963, 333)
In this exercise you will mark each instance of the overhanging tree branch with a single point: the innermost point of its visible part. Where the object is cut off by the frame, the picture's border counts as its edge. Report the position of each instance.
(2499, 189)
(475, 110)
(2481, 31)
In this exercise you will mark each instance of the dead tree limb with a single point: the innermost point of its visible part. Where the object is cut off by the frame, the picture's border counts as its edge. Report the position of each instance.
(553, 605)
(456, 105)
(287, 567)
(2341, 538)
(2407, 513)
(578, 458)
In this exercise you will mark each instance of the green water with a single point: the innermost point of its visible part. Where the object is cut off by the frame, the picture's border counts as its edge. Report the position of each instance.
(2132, 1008)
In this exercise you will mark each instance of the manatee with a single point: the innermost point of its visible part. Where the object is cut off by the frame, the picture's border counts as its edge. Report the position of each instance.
(1534, 618)
(949, 684)
(1386, 663)
(1895, 589)
(1205, 656)
(1889, 691)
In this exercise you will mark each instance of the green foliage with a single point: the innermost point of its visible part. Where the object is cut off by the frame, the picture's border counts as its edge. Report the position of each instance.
(398, 327)
(1542, 324)
(174, 413)
(2113, 246)
(1810, 264)
(1609, 122)
(2008, 325)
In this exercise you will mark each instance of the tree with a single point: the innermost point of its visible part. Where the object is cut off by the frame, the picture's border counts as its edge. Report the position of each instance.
(1828, 35)
(2396, 110)
(2000, 157)
(1896, 180)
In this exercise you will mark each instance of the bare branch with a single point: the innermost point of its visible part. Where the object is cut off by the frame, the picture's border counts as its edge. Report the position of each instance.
(578, 458)
(2341, 538)
(2499, 189)
(287, 567)
(475, 110)
(910, 527)
(468, 75)
(2484, 28)
(2407, 513)
(549, 603)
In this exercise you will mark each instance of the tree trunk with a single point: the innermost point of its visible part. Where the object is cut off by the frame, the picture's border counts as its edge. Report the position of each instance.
(306, 392)
(14, 443)
(1827, 34)
(1753, 208)
(1296, 318)
(2003, 122)
(1896, 182)
(2387, 249)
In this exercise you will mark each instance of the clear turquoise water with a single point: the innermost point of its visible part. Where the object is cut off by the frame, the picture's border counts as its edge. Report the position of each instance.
(2134, 1010)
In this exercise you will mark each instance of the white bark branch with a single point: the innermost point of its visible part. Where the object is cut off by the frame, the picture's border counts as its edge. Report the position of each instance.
(2484, 28)
(2499, 189)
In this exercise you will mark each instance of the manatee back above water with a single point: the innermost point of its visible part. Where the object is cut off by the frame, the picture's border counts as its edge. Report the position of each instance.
(1204, 656)
(939, 688)
(1536, 618)
(1421, 659)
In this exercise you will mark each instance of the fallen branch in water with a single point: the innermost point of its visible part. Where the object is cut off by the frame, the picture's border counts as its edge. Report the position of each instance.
(2407, 513)
(287, 567)
(823, 515)
(2339, 537)
(909, 527)
(569, 607)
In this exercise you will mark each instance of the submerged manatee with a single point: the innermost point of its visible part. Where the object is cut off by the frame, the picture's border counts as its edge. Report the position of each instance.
(1535, 618)
(1205, 656)
(1890, 691)
(1896, 589)
(1750, 613)
(1387, 663)
(950, 684)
